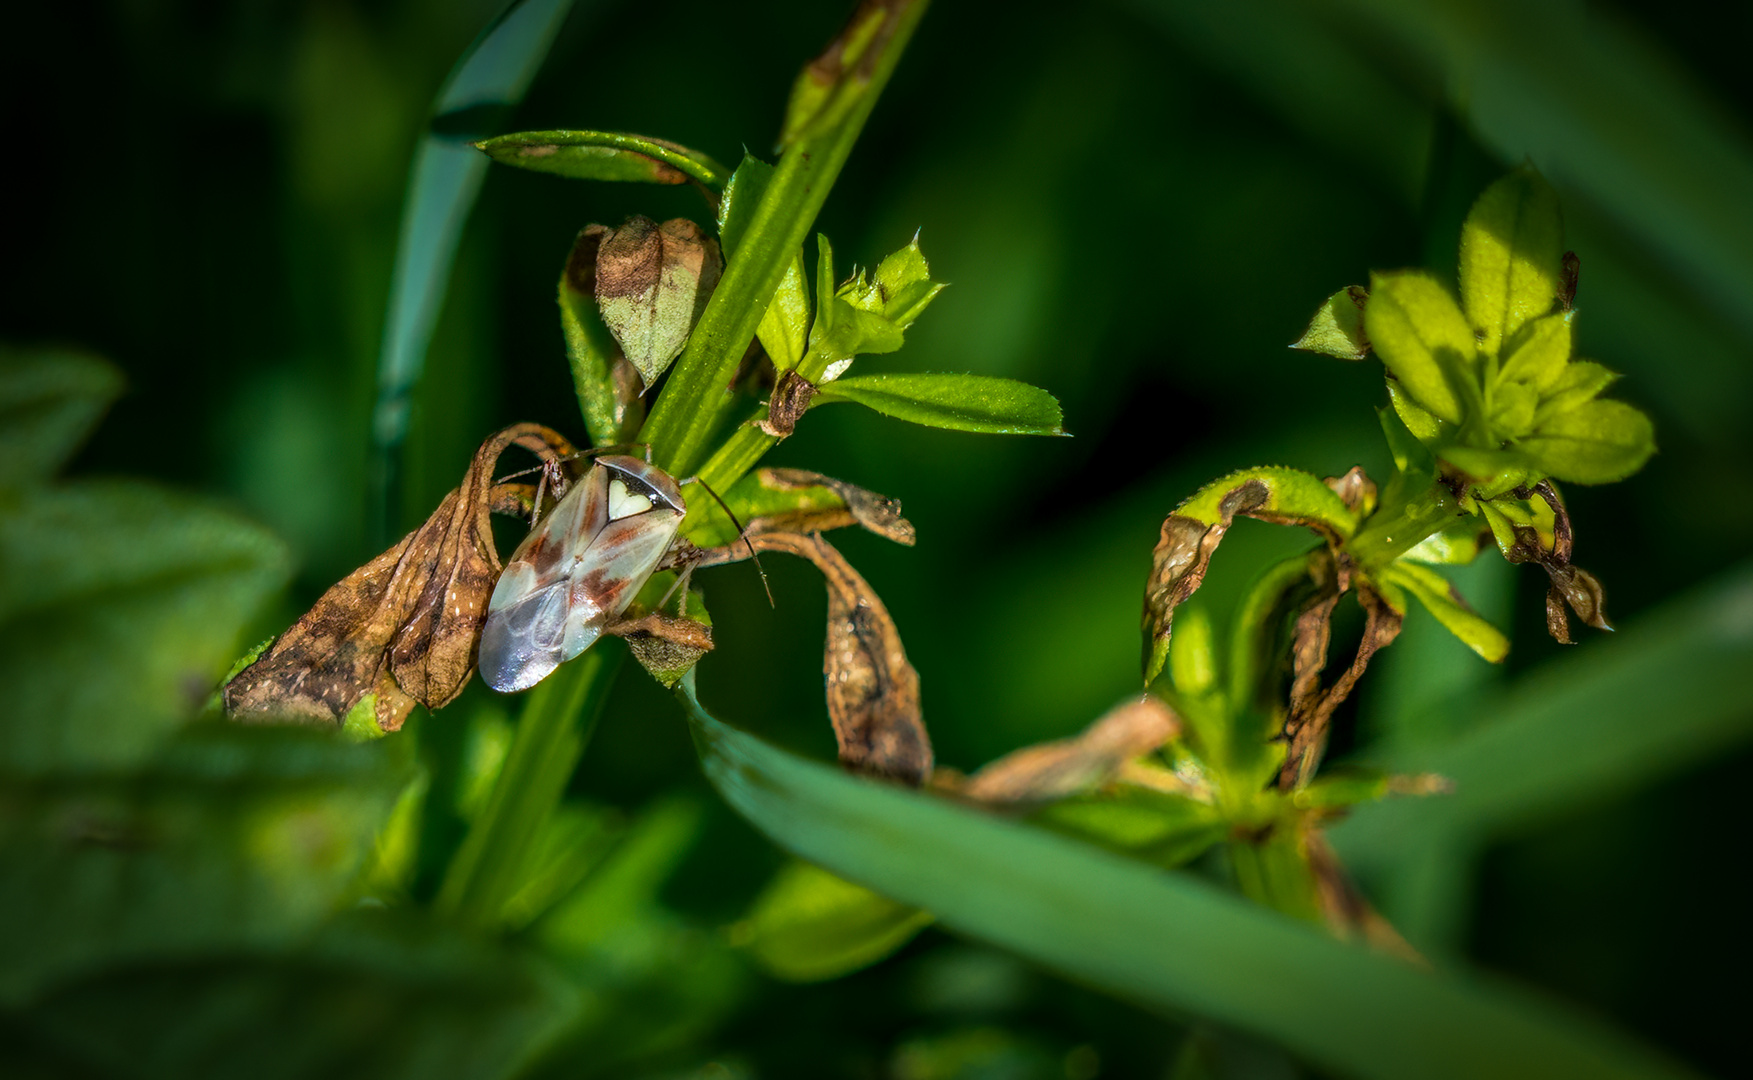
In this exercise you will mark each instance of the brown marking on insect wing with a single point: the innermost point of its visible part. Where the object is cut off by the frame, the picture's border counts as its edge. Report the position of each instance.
(790, 400)
(1182, 555)
(1056, 770)
(872, 690)
(405, 625)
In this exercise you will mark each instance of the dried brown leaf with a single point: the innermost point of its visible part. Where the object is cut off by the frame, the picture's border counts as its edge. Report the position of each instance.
(1309, 721)
(876, 513)
(1180, 560)
(1066, 767)
(1572, 587)
(872, 690)
(404, 626)
(667, 646)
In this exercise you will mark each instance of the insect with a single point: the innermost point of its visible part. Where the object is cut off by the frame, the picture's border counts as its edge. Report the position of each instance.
(577, 571)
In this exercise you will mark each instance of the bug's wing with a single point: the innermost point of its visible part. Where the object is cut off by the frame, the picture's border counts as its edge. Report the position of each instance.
(622, 558)
(524, 640)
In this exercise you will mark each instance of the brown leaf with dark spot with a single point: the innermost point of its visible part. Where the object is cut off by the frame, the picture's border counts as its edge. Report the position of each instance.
(1178, 564)
(404, 626)
(1572, 586)
(872, 690)
(667, 646)
(791, 399)
(652, 283)
(1056, 770)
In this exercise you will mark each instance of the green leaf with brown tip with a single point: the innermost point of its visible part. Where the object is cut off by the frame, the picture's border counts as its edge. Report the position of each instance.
(979, 403)
(1337, 328)
(1597, 442)
(1418, 331)
(1510, 249)
(604, 155)
(652, 283)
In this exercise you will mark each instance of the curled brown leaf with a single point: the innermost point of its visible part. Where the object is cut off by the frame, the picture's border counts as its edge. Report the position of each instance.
(405, 625)
(1066, 767)
(1179, 562)
(1572, 587)
(791, 399)
(1309, 722)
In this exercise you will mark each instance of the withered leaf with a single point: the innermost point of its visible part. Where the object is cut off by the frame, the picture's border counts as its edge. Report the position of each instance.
(1347, 913)
(1572, 587)
(872, 690)
(1309, 721)
(652, 282)
(405, 625)
(876, 513)
(791, 399)
(1056, 770)
(667, 646)
(1178, 565)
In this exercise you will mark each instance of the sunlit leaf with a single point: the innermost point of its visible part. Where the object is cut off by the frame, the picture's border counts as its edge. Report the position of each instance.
(1595, 443)
(979, 403)
(1337, 328)
(1510, 246)
(1440, 599)
(1541, 353)
(1421, 336)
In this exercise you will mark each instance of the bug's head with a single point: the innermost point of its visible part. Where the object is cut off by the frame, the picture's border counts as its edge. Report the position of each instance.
(646, 486)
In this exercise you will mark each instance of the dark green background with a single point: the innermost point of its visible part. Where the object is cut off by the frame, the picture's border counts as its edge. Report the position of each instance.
(1137, 205)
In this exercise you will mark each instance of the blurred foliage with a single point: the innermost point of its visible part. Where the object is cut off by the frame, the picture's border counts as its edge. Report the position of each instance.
(1137, 206)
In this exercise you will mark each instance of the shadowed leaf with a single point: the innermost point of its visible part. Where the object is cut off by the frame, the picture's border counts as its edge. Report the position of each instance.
(604, 155)
(49, 403)
(808, 925)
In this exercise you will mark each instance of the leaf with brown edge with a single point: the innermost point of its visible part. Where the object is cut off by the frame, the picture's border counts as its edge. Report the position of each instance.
(797, 501)
(872, 689)
(1572, 586)
(405, 625)
(1191, 534)
(652, 283)
(1055, 770)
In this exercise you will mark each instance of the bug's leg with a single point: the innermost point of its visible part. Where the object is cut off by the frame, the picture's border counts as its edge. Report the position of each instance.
(742, 534)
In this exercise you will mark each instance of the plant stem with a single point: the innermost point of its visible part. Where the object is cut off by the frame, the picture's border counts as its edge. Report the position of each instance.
(1391, 533)
(558, 718)
(696, 401)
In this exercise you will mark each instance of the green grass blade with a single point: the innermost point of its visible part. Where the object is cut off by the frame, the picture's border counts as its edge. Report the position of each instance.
(445, 178)
(1164, 940)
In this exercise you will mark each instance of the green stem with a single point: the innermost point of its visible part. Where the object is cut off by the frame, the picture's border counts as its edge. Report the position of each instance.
(558, 718)
(696, 401)
(1392, 532)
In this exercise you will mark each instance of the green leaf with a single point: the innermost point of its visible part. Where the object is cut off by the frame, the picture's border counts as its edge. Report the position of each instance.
(1597, 442)
(1512, 410)
(49, 403)
(1167, 941)
(1290, 496)
(1541, 354)
(1337, 328)
(899, 291)
(443, 183)
(1163, 829)
(590, 348)
(1455, 546)
(1422, 338)
(784, 329)
(228, 837)
(604, 155)
(808, 925)
(1440, 599)
(1510, 247)
(958, 402)
(1581, 381)
(121, 604)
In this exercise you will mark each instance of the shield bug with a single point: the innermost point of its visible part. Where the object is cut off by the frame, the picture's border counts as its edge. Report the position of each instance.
(579, 568)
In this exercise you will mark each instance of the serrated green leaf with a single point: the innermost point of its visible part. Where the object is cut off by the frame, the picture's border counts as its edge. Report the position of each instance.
(1541, 352)
(1580, 382)
(1337, 328)
(808, 925)
(1421, 336)
(959, 402)
(1597, 442)
(1166, 940)
(604, 155)
(1510, 247)
(1439, 598)
(49, 402)
(900, 290)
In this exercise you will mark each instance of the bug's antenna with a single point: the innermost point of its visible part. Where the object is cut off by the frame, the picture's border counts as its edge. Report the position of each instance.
(743, 535)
